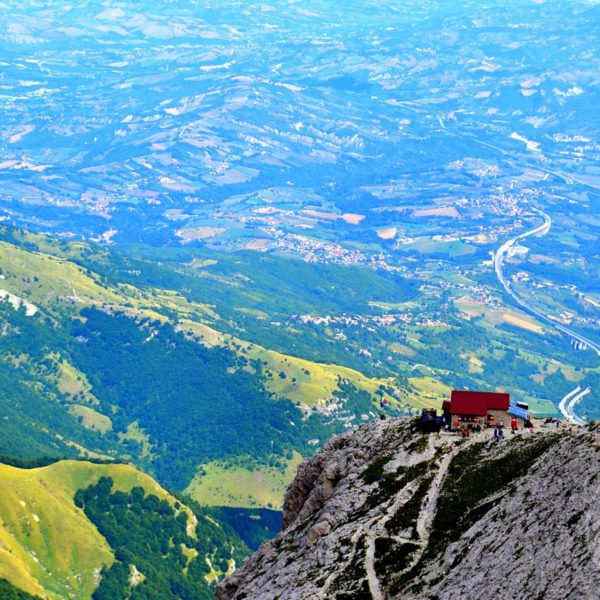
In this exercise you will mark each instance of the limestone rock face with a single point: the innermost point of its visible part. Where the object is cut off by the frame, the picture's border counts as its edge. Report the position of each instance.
(384, 512)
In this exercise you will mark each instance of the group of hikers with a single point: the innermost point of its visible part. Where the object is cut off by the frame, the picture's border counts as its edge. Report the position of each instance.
(430, 422)
(477, 428)
(498, 429)
(499, 432)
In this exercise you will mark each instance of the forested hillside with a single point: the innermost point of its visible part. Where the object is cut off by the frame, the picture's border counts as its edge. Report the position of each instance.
(75, 529)
(114, 355)
(158, 552)
(218, 372)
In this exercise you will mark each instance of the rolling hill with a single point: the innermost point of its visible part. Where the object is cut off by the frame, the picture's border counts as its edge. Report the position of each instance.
(113, 355)
(198, 365)
(51, 548)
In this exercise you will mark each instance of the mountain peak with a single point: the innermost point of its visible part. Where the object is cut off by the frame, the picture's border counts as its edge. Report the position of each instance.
(385, 512)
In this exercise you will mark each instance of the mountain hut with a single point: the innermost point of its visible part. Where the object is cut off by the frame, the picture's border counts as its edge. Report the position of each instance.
(471, 408)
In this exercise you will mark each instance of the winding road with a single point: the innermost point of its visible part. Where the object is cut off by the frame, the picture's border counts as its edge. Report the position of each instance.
(498, 265)
(567, 404)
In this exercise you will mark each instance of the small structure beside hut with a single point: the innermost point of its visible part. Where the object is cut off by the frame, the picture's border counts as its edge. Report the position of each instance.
(430, 422)
(484, 409)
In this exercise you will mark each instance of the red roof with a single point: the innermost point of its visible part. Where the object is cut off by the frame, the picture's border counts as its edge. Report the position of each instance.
(477, 403)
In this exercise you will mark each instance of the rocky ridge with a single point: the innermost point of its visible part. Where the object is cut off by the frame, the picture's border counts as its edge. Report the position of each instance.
(383, 512)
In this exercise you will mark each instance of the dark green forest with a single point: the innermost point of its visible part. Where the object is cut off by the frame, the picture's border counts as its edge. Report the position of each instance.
(152, 535)
(196, 403)
(33, 409)
(254, 526)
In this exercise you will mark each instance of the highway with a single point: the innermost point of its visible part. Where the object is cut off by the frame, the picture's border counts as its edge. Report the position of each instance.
(567, 404)
(498, 266)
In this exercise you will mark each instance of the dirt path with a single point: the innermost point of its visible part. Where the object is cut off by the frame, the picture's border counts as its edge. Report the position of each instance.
(424, 520)
(428, 512)
(375, 527)
(374, 586)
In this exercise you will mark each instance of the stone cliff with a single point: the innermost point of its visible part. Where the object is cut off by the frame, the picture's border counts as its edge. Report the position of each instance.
(383, 512)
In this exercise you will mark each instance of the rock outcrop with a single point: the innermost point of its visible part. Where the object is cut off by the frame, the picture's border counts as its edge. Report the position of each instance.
(384, 512)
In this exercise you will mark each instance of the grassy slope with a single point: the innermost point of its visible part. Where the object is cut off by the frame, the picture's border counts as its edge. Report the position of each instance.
(315, 382)
(61, 283)
(48, 546)
(91, 418)
(430, 392)
(224, 485)
(56, 278)
(55, 284)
